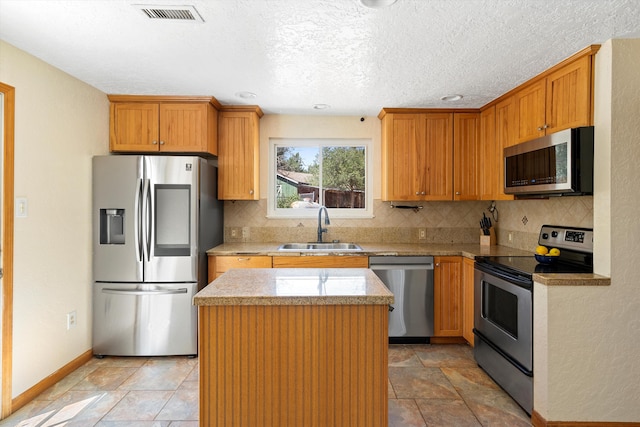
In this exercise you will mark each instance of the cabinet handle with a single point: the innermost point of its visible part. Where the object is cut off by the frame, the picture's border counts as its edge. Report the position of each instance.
(437, 264)
(546, 125)
(155, 142)
(244, 259)
(161, 142)
(250, 191)
(457, 193)
(423, 193)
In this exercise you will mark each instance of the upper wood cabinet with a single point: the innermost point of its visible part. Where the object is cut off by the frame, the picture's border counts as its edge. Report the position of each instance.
(466, 150)
(152, 124)
(417, 156)
(559, 100)
(238, 153)
(447, 296)
(497, 131)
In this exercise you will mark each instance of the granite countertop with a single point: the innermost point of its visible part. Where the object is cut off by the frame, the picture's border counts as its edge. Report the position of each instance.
(294, 286)
(372, 249)
(435, 249)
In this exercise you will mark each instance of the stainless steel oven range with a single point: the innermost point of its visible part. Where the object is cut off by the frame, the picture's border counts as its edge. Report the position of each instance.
(503, 307)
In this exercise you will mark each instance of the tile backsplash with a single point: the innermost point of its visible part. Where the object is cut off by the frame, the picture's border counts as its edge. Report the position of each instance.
(443, 222)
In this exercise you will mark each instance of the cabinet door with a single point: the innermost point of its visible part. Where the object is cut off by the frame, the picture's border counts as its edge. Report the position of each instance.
(134, 127)
(506, 126)
(569, 96)
(238, 156)
(447, 296)
(220, 264)
(467, 299)
(466, 145)
(437, 165)
(401, 154)
(530, 111)
(354, 261)
(488, 170)
(183, 128)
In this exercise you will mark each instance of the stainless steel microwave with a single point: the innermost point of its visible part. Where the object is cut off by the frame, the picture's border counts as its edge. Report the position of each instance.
(556, 164)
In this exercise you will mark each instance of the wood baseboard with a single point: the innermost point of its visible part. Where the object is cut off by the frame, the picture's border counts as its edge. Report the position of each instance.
(538, 421)
(30, 394)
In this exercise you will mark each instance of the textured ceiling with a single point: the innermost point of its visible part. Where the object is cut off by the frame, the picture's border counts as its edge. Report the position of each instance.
(296, 53)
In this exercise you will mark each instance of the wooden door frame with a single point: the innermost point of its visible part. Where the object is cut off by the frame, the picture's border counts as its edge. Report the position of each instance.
(7, 248)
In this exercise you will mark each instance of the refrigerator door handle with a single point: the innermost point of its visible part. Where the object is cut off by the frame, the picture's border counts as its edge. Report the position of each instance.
(141, 292)
(146, 219)
(137, 225)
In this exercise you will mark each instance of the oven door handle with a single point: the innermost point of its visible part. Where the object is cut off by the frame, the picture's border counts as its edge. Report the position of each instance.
(503, 354)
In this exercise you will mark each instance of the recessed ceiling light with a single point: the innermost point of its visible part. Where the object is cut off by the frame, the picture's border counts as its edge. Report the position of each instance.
(321, 106)
(246, 95)
(451, 98)
(377, 4)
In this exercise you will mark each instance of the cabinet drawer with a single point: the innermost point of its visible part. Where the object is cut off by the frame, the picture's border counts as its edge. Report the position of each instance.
(220, 264)
(320, 262)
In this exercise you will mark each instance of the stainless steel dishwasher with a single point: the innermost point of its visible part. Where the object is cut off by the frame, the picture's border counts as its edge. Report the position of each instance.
(410, 278)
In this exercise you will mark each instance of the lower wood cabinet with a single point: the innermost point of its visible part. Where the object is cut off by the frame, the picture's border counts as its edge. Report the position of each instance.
(220, 264)
(468, 266)
(321, 261)
(447, 296)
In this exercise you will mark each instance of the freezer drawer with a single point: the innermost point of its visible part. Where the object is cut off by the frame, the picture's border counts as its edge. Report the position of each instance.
(144, 319)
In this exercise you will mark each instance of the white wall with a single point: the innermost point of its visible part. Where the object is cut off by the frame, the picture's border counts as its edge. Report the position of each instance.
(60, 124)
(587, 338)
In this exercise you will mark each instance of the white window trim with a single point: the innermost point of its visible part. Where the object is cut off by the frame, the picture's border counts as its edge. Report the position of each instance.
(274, 212)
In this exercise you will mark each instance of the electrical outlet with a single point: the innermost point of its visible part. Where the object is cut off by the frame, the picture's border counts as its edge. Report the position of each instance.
(245, 232)
(71, 319)
(234, 232)
(510, 237)
(422, 233)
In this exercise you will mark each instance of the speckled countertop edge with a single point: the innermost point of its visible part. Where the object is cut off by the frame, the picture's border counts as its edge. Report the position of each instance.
(259, 286)
(571, 279)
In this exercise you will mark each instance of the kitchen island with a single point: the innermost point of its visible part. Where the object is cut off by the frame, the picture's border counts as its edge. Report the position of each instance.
(294, 347)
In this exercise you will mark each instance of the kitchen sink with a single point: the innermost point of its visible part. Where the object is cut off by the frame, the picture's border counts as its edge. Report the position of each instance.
(320, 247)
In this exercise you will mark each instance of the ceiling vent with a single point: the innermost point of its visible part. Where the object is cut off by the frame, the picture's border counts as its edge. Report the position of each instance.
(172, 13)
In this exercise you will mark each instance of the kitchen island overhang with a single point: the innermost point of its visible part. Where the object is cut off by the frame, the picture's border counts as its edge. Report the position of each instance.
(294, 347)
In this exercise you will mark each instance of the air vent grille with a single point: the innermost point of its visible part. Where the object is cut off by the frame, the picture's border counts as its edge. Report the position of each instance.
(175, 13)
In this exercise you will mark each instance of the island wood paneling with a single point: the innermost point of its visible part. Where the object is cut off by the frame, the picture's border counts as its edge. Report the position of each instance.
(291, 366)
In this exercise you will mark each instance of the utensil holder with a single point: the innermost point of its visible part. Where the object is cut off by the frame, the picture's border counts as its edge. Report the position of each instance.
(489, 240)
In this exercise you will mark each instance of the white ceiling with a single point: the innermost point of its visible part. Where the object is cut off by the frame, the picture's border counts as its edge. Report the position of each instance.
(296, 53)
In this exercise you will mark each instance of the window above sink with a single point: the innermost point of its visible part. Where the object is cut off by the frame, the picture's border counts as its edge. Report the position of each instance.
(305, 174)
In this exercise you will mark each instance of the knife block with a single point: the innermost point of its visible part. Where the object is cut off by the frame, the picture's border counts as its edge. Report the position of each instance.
(489, 240)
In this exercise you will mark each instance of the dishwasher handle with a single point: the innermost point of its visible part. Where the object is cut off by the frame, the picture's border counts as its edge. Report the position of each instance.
(401, 266)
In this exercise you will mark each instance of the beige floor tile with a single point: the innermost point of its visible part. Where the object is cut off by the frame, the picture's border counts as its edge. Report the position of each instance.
(139, 406)
(421, 383)
(403, 356)
(494, 408)
(404, 413)
(183, 405)
(445, 355)
(447, 413)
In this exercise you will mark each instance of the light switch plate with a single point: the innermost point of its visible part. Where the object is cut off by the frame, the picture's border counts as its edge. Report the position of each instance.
(21, 207)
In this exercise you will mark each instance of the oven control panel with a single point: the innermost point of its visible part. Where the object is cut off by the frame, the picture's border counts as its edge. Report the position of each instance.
(577, 239)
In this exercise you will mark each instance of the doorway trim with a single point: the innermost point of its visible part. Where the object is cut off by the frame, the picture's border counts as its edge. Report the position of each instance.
(7, 248)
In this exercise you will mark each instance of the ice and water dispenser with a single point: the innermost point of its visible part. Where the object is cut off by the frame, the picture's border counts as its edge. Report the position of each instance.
(112, 226)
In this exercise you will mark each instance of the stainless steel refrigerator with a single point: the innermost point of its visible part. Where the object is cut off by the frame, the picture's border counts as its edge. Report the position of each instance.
(154, 217)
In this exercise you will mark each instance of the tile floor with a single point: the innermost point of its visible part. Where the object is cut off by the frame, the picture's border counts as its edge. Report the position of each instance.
(429, 385)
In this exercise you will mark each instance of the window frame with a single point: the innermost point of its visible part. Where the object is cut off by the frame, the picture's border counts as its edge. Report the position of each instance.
(281, 213)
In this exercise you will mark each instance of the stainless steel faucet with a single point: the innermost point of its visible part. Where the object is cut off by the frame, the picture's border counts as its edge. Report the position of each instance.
(326, 222)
